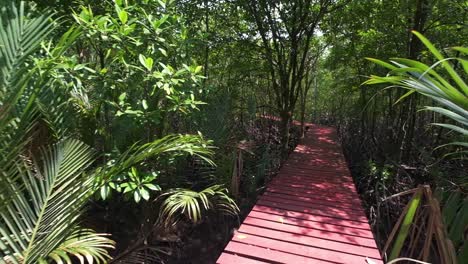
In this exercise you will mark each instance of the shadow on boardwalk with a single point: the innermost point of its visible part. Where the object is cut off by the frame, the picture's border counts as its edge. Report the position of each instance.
(310, 213)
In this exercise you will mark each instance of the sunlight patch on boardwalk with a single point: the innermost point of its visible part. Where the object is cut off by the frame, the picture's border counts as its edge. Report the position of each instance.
(309, 213)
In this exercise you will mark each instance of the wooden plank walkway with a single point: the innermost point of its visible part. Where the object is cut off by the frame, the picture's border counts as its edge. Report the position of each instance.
(310, 212)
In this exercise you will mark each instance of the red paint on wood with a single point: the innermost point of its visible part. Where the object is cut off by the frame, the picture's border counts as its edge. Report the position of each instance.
(227, 258)
(298, 249)
(355, 207)
(341, 213)
(319, 198)
(310, 213)
(311, 217)
(269, 255)
(316, 187)
(312, 224)
(249, 222)
(310, 210)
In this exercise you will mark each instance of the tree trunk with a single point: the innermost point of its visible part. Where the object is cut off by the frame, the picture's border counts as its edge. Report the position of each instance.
(303, 119)
(414, 49)
(207, 45)
(284, 130)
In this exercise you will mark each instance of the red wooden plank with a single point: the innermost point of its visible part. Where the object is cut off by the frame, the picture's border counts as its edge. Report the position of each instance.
(284, 182)
(227, 258)
(311, 217)
(318, 200)
(303, 192)
(341, 176)
(312, 224)
(313, 170)
(316, 159)
(325, 169)
(334, 177)
(318, 191)
(294, 178)
(308, 232)
(310, 169)
(326, 186)
(299, 249)
(335, 211)
(309, 177)
(315, 202)
(270, 255)
(342, 187)
(310, 182)
(312, 195)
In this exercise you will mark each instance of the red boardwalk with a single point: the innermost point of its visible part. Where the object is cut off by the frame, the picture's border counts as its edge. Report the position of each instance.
(310, 213)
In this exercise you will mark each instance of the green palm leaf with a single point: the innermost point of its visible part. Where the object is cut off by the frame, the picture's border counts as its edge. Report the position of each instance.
(43, 206)
(84, 244)
(20, 36)
(192, 205)
(444, 85)
(173, 144)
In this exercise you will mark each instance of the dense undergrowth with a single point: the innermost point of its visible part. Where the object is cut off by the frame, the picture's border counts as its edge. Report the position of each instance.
(257, 139)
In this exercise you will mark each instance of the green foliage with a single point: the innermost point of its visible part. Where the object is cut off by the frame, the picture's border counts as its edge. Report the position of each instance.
(17, 111)
(140, 71)
(117, 176)
(448, 89)
(419, 77)
(41, 198)
(40, 210)
(43, 193)
(136, 185)
(84, 244)
(178, 204)
(406, 224)
(455, 215)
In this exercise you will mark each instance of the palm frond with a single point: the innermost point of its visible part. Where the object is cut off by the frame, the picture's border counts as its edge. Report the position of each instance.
(179, 203)
(444, 85)
(43, 206)
(20, 37)
(174, 144)
(83, 244)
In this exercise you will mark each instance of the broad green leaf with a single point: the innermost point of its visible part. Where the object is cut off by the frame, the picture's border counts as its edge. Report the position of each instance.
(152, 187)
(146, 62)
(105, 191)
(451, 207)
(446, 65)
(123, 16)
(382, 63)
(137, 196)
(410, 92)
(453, 127)
(144, 193)
(450, 114)
(122, 96)
(149, 64)
(459, 224)
(405, 226)
(163, 51)
(461, 49)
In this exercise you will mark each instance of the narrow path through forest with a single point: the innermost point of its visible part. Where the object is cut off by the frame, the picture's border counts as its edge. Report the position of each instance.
(310, 212)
